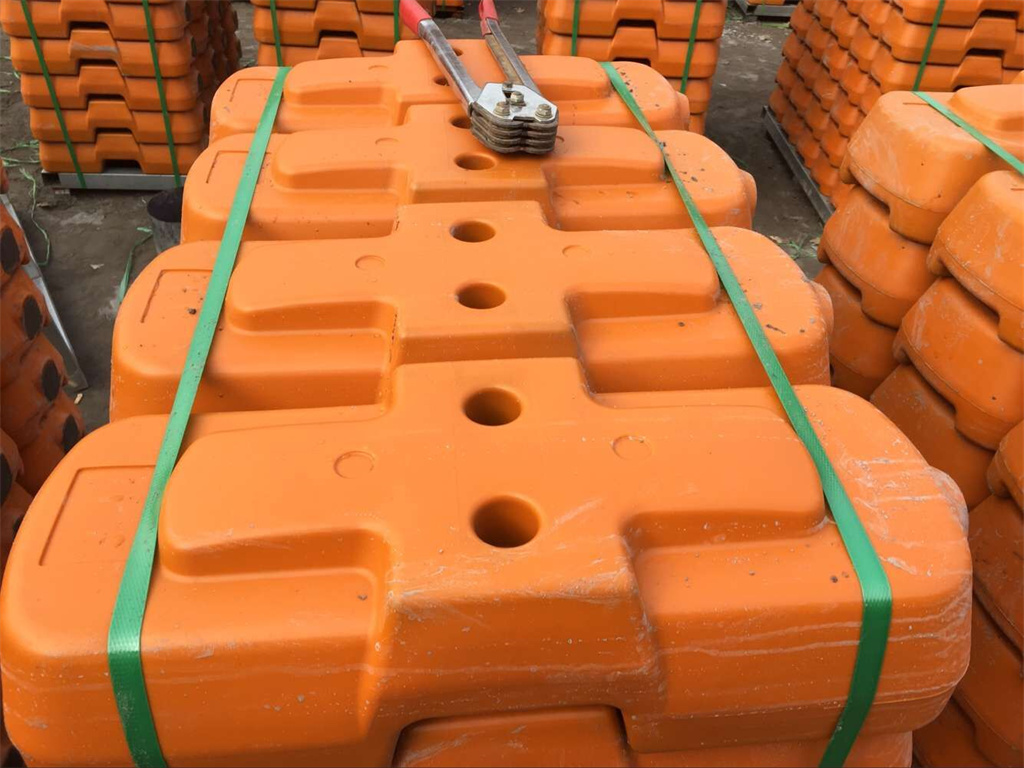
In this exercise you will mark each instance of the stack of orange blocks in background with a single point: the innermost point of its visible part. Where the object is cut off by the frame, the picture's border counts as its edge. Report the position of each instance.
(844, 54)
(461, 469)
(655, 32)
(331, 29)
(99, 57)
(925, 265)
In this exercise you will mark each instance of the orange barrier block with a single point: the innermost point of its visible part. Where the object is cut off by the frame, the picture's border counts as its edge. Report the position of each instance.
(992, 692)
(959, 13)
(41, 375)
(1006, 474)
(535, 548)
(997, 552)
(949, 742)
(83, 125)
(929, 421)
(654, 320)
(951, 339)
(13, 248)
(10, 465)
(22, 316)
(671, 19)
(133, 58)
(889, 271)
(638, 44)
(588, 736)
(111, 146)
(125, 21)
(353, 183)
(333, 47)
(12, 512)
(981, 244)
(375, 31)
(906, 41)
(900, 137)
(364, 6)
(350, 93)
(861, 349)
(58, 431)
(105, 80)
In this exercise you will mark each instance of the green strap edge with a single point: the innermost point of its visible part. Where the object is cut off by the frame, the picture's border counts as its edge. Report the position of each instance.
(989, 144)
(53, 93)
(160, 92)
(689, 47)
(928, 45)
(277, 33)
(396, 20)
(575, 26)
(875, 590)
(124, 653)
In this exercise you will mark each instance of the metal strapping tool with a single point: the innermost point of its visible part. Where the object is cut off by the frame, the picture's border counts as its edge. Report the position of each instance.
(505, 117)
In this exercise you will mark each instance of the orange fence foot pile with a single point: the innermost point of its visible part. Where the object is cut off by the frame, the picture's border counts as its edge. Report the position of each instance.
(104, 74)
(483, 468)
(677, 38)
(307, 30)
(844, 54)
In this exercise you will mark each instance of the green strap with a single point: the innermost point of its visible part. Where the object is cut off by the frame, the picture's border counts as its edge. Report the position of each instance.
(397, 21)
(277, 32)
(53, 92)
(689, 48)
(124, 655)
(575, 26)
(875, 591)
(928, 45)
(997, 150)
(160, 91)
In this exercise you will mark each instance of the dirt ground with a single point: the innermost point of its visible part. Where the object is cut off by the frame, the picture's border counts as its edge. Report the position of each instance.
(92, 233)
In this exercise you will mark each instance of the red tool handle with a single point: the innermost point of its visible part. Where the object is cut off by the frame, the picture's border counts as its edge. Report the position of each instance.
(412, 14)
(487, 11)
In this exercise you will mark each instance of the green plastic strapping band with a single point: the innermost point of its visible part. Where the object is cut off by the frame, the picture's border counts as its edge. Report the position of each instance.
(277, 33)
(160, 92)
(396, 20)
(575, 26)
(928, 45)
(874, 585)
(997, 150)
(689, 47)
(124, 653)
(53, 93)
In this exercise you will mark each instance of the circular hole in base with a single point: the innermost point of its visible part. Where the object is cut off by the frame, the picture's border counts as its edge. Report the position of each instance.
(472, 231)
(31, 318)
(481, 296)
(460, 122)
(441, 80)
(492, 407)
(474, 162)
(506, 522)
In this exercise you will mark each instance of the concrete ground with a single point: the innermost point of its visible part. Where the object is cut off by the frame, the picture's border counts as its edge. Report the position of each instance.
(92, 233)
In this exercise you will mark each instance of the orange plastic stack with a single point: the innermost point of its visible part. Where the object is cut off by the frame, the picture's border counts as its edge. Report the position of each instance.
(482, 470)
(308, 30)
(98, 55)
(35, 413)
(925, 266)
(982, 725)
(654, 32)
(844, 54)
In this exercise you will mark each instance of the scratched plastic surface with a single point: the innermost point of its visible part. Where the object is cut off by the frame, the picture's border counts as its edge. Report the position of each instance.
(639, 310)
(408, 596)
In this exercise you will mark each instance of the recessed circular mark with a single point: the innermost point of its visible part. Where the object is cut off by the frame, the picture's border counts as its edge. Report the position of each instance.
(10, 253)
(472, 231)
(481, 296)
(50, 380)
(441, 80)
(472, 161)
(31, 317)
(386, 141)
(492, 407)
(460, 121)
(631, 447)
(506, 522)
(378, 67)
(576, 251)
(370, 263)
(70, 435)
(354, 464)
